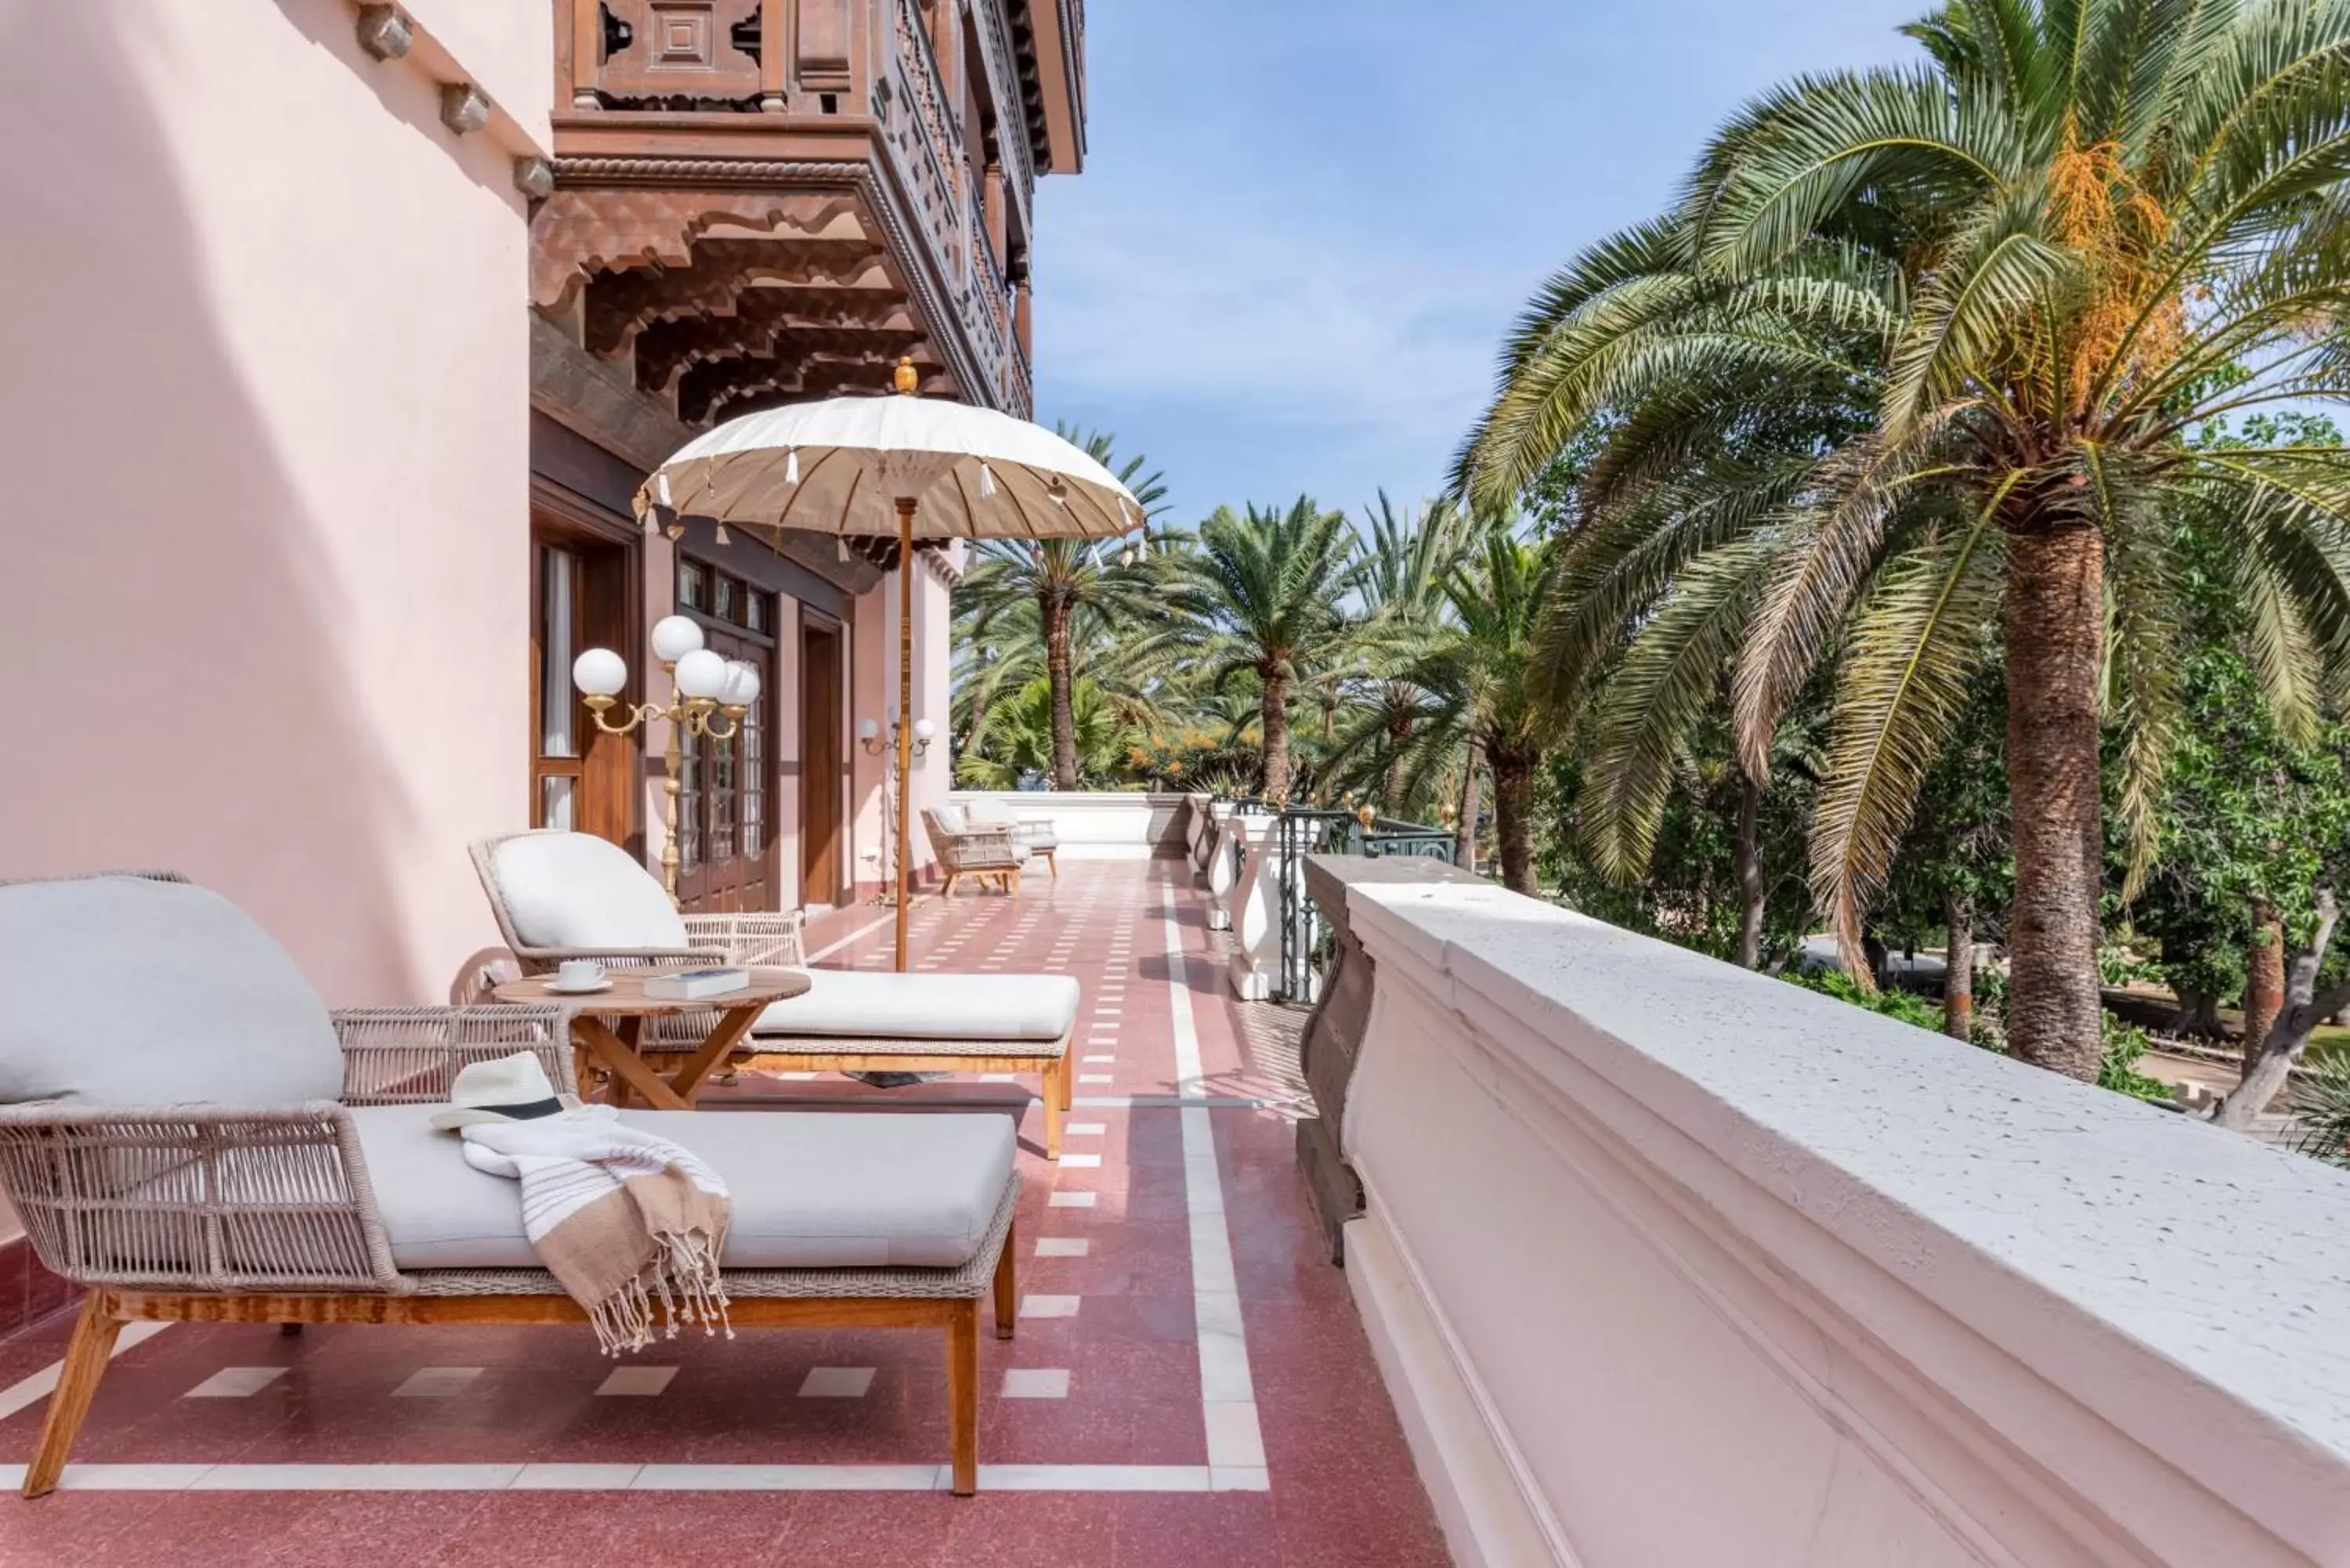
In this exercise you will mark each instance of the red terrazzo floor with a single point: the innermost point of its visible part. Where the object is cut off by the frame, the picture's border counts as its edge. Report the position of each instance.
(1336, 1486)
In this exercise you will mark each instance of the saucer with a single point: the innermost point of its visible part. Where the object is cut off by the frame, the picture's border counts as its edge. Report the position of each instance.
(559, 989)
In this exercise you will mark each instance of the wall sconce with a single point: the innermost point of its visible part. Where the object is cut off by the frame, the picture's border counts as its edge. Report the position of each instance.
(869, 735)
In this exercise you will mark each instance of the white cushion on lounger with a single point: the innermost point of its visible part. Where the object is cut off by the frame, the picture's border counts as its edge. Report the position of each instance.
(576, 890)
(950, 819)
(987, 814)
(1040, 1007)
(811, 1191)
(124, 991)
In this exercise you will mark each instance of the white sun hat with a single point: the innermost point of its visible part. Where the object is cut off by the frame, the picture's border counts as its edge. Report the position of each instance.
(509, 1089)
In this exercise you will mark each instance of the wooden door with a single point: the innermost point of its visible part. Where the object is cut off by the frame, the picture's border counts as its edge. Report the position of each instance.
(822, 864)
(582, 596)
(726, 827)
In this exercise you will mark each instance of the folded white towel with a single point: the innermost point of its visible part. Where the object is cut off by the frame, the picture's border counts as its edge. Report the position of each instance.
(618, 1215)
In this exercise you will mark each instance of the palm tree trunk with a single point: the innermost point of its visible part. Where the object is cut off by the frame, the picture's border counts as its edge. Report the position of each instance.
(1274, 712)
(1750, 874)
(2263, 980)
(1464, 833)
(2055, 626)
(1514, 824)
(1958, 968)
(1057, 677)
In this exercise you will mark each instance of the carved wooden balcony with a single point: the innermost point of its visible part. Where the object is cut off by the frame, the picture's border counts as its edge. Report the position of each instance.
(763, 200)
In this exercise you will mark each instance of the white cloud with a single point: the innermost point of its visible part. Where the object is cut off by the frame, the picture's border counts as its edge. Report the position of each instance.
(1360, 361)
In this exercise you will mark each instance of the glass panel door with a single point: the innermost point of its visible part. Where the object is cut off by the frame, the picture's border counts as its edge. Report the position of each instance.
(559, 716)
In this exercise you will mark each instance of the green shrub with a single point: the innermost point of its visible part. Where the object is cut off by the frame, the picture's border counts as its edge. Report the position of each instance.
(2117, 1068)
(1906, 1005)
(2321, 1108)
(2119, 964)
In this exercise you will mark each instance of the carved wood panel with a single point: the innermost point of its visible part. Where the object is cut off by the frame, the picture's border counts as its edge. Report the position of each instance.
(680, 51)
(824, 45)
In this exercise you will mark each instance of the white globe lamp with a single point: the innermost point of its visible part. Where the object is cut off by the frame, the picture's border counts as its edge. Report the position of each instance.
(742, 687)
(599, 672)
(701, 674)
(674, 637)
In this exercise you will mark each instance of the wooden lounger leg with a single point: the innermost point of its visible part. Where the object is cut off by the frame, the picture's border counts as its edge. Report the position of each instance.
(946, 888)
(1052, 865)
(962, 1393)
(93, 1342)
(1057, 1100)
(1005, 1304)
(1068, 1082)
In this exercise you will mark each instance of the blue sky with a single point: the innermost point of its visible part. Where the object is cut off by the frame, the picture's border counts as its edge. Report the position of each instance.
(1304, 224)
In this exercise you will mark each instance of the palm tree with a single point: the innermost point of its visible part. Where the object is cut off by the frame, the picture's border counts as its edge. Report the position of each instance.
(1410, 563)
(1016, 737)
(1262, 592)
(1064, 580)
(2025, 266)
(1480, 699)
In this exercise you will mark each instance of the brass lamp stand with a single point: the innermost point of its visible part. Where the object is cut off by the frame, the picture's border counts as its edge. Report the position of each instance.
(702, 686)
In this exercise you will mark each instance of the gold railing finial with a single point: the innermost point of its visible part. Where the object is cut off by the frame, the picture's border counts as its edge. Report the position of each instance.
(905, 378)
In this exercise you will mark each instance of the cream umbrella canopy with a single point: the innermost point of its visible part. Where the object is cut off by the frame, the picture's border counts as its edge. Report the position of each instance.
(905, 466)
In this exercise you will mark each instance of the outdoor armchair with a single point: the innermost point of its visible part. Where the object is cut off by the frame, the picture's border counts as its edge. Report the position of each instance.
(1036, 835)
(219, 1147)
(559, 895)
(990, 854)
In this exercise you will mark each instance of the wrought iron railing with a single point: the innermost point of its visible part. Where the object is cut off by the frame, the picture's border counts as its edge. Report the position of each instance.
(1323, 830)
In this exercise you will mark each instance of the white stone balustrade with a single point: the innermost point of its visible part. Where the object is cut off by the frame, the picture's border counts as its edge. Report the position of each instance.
(1667, 1263)
(1253, 906)
(1195, 829)
(1098, 824)
(1223, 869)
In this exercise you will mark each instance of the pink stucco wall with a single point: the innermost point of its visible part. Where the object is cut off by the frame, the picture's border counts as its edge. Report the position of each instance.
(266, 432)
(873, 687)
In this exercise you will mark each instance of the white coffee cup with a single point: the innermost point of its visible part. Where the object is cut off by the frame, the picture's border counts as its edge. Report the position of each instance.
(578, 974)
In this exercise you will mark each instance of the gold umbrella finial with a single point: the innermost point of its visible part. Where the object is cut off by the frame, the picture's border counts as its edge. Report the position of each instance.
(905, 378)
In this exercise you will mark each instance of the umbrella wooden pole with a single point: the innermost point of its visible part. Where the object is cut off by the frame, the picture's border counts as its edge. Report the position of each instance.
(905, 704)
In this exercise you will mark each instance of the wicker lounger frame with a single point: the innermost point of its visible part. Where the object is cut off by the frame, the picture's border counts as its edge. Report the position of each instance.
(774, 938)
(218, 1214)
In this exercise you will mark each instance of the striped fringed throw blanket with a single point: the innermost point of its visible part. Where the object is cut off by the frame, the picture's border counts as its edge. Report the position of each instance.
(618, 1216)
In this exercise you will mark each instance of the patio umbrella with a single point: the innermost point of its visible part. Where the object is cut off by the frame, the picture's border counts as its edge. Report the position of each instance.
(913, 468)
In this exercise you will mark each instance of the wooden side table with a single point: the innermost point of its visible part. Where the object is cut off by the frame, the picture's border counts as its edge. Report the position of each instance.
(608, 1027)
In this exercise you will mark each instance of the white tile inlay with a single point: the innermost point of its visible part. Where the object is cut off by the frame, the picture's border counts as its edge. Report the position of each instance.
(1049, 1306)
(32, 1390)
(1071, 1200)
(1036, 1382)
(637, 1380)
(438, 1383)
(1227, 1392)
(836, 1382)
(1063, 1246)
(1094, 1078)
(1072, 1161)
(1105, 1056)
(236, 1382)
(1084, 1129)
(686, 1477)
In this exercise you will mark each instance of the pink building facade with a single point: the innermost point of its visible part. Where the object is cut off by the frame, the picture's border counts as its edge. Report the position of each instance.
(344, 336)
